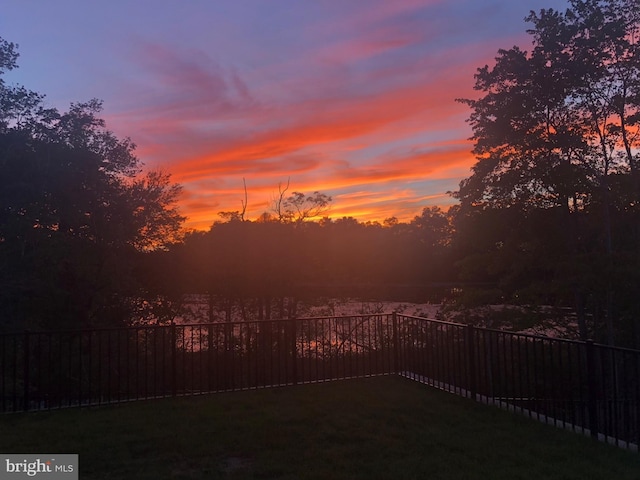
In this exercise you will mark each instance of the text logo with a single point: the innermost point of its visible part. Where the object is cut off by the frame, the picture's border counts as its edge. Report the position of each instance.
(51, 467)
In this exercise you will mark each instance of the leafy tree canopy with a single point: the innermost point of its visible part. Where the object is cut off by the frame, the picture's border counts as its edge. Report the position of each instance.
(551, 207)
(75, 207)
(554, 123)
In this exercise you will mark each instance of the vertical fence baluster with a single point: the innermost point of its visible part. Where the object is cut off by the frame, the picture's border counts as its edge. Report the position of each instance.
(210, 359)
(109, 366)
(182, 350)
(294, 352)
(174, 348)
(3, 373)
(396, 344)
(26, 376)
(471, 364)
(80, 369)
(636, 397)
(592, 388)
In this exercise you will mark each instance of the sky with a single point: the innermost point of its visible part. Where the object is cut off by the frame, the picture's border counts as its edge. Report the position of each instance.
(352, 98)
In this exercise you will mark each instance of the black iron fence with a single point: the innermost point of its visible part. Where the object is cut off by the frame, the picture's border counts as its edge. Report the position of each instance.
(49, 370)
(587, 387)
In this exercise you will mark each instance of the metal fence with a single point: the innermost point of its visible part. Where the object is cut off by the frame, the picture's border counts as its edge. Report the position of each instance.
(49, 370)
(582, 386)
(586, 387)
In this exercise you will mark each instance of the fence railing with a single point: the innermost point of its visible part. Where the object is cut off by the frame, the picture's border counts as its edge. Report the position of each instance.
(589, 388)
(586, 387)
(49, 370)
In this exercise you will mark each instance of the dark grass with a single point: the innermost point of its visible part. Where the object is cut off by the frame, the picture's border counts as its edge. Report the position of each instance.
(376, 428)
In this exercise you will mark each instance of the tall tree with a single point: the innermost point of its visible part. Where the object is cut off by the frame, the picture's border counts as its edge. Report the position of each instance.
(557, 128)
(74, 211)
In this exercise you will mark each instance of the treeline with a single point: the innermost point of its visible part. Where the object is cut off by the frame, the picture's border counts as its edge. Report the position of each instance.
(264, 269)
(488, 256)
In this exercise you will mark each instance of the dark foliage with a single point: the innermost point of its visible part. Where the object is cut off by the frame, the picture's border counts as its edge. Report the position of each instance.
(262, 269)
(75, 213)
(550, 213)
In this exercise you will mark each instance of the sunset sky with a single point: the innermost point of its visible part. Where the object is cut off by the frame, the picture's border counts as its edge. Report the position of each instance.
(353, 98)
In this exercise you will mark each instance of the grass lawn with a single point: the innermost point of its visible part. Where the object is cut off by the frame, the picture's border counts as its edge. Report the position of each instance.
(376, 428)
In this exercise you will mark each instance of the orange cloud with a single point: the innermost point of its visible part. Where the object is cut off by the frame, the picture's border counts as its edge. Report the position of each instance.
(392, 129)
(315, 151)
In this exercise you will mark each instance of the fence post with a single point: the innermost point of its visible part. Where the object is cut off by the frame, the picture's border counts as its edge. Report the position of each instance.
(210, 357)
(26, 376)
(174, 352)
(592, 388)
(471, 365)
(396, 346)
(228, 365)
(294, 352)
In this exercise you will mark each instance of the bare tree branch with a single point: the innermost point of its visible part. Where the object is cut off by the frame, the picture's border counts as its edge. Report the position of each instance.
(246, 200)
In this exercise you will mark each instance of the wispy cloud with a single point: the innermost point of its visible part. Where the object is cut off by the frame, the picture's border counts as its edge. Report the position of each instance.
(365, 103)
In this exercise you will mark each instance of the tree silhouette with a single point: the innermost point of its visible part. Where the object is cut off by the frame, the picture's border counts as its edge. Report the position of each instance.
(556, 129)
(298, 207)
(75, 212)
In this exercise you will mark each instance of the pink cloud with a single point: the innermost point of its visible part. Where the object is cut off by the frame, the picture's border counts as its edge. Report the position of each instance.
(213, 125)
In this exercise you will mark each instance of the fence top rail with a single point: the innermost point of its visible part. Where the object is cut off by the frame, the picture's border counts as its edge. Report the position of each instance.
(433, 320)
(531, 336)
(618, 349)
(493, 330)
